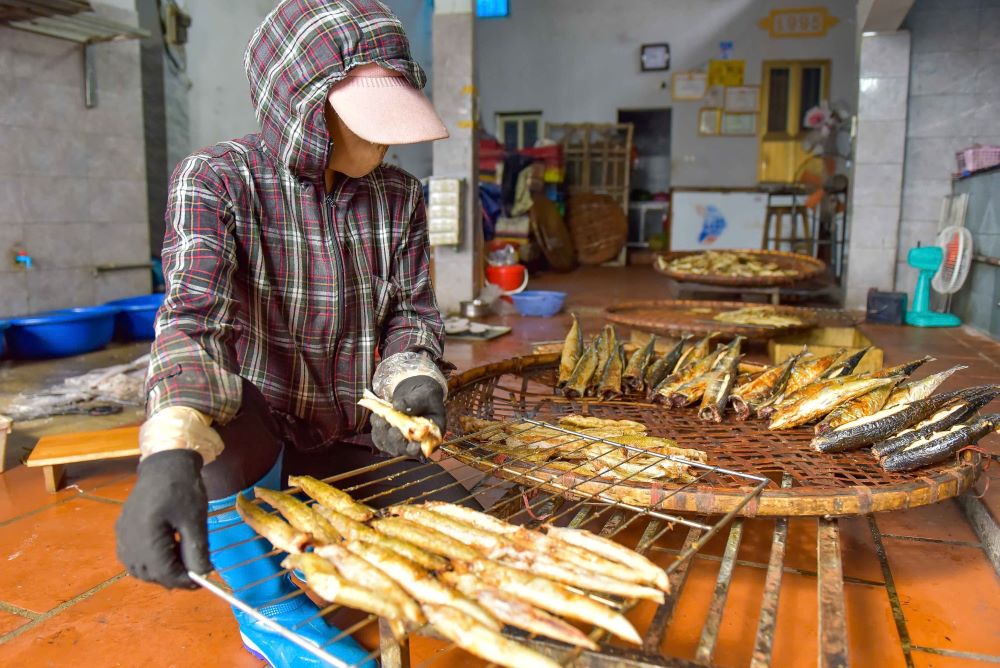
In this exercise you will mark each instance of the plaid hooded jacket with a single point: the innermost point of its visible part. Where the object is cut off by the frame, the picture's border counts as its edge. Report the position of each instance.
(269, 277)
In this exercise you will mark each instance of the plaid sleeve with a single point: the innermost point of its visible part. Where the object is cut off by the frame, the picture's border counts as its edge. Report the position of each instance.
(193, 362)
(415, 321)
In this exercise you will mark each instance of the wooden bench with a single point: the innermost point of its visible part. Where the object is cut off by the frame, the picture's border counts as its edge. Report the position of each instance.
(53, 453)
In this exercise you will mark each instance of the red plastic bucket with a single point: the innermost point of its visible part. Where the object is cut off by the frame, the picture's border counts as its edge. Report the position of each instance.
(512, 278)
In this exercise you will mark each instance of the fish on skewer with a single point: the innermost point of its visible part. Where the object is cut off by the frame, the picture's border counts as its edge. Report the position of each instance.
(424, 537)
(322, 578)
(721, 382)
(359, 571)
(915, 390)
(483, 641)
(940, 445)
(591, 422)
(579, 576)
(858, 407)
(299, 515)
(608, 345)
(352, 530)
(888, 421)
(950, 415)
(414, 428)
(419, 583)
(609, 549)
(769, 383)
(610, 386)
(813, 404)
(511, 610)
(845, 366)
(571, 352)
(278, 532)
(331, 497)
(636, 368)
(695, 352)
(576, 384)
(551, 596)
(664, 366)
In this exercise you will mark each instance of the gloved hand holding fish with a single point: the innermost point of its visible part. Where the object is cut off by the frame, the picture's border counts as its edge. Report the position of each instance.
(463, 571)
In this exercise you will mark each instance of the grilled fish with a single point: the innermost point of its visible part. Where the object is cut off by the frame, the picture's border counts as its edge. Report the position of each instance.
(578, 576)
(429, 539)
(696, 352)
(888, 421)
(323, 579)
(720, 383)
(591, 422)
(299, 515)
(846, 366)
(915, 390)
(940, 445)
(769, 383)
(857, 408)
(904, 369)
(483, 641)
(553, 597)
(664, 366)
(331, 497)
(609, 549)
(513, 611)
(951, 414)
(690, 392)
(810, 370)
(635, 370)
(278, 532)
(348, 528)
(414, 428)
(418, 583)
(608, 345)
(576, 384)
(675, 380)
(486, 542)
(814, 404)
(357, 570)
(571, 352)
(610, 386)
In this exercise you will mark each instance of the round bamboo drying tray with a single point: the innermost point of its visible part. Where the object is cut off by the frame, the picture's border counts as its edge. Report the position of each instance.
(598, 226)
(805, 267)
(841, 484)
(675, 317)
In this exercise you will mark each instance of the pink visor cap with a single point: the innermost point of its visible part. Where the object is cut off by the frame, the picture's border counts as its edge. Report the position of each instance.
(381, 106)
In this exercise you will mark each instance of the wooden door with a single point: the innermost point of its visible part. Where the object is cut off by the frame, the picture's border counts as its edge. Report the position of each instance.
(790, 88)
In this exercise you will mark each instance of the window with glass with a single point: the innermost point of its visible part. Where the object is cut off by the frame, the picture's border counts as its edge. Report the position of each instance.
(519, 130)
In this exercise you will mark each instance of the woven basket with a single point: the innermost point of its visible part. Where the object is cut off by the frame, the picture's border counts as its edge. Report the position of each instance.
(805, 267)
(675, 317)
(598, 226)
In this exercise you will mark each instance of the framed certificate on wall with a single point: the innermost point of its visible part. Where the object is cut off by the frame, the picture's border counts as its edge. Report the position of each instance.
(688, 85)
(742, 99)
(738, 124)
(708, 121)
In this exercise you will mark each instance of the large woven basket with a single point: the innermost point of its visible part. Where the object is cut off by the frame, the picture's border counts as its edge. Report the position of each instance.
(804, 266)
(675, 317)
(598, 226)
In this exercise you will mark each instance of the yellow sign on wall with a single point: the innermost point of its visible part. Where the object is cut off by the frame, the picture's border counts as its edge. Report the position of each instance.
(726, 72)
(798, 22)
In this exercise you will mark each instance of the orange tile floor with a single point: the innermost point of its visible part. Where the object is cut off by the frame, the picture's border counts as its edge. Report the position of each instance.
(65, 600)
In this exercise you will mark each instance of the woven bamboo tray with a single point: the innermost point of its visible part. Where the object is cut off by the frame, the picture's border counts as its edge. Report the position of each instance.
(805, 267)
(840, 484)
(676, 317)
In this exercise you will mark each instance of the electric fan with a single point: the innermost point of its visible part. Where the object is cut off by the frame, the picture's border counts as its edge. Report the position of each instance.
(943, 267)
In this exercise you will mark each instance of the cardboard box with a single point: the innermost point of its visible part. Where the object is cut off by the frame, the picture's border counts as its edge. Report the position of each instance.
(823, 341)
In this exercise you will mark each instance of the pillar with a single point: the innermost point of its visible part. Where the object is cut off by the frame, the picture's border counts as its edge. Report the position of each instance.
(457, 269)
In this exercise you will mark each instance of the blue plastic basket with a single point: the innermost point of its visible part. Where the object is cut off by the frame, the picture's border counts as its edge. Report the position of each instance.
(542, 303)
(136, 316)
(61, 333)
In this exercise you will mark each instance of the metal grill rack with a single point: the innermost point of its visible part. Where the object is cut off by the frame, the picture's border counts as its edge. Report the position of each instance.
(519, 498)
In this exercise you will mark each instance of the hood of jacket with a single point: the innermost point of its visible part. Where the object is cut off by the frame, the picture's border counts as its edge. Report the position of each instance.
(298, 53)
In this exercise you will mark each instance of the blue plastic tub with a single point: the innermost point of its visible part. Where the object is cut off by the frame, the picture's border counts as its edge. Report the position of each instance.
(543, 303)
(136, 316)
(61, 333)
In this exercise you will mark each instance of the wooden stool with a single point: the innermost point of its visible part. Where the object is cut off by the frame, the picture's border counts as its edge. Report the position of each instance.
(796, 214)
(52, 453)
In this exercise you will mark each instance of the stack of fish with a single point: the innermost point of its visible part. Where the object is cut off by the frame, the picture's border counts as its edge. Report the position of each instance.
(565, 450)
(463, 571)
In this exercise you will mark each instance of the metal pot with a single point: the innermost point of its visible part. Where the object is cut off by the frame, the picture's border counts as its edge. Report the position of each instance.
(476, 308)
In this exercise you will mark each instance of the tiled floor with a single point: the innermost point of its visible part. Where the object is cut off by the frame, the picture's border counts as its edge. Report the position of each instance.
(64, 599)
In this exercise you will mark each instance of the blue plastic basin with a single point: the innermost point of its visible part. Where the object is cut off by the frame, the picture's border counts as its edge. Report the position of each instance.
(543, 303)
(61, 333)
(136, 316)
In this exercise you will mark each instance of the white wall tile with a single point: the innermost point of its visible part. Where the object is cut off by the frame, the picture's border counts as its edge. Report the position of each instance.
(941, 115)
(933, 157)
(922, 199)
(870, 268)
(61, 288)
(880, 142)
(60, 246)
(943, 73)
(874, 227)
(14, 293)
(877, 185)
(989, 28)
(913, 232)
(121, 284)
(882, 99)
(937, 31)
(988, 74)
(121, 243)
(885, 55)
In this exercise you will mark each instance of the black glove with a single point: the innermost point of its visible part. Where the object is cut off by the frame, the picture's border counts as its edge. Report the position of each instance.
(416, 395)
(169, 497)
